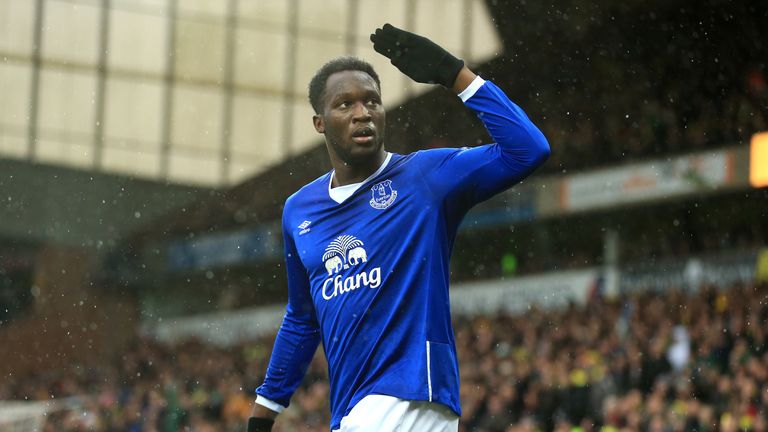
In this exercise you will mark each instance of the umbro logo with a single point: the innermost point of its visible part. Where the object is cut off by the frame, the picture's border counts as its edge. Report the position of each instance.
(304, 227)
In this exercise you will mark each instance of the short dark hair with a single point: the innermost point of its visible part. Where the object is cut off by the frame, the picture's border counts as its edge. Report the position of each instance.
(339, 64)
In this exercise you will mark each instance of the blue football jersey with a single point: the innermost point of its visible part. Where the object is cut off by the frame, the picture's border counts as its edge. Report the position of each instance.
(368, 277)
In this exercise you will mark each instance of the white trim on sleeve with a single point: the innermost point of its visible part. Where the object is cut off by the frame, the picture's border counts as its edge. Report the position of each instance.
(274, 406)
(471, 88)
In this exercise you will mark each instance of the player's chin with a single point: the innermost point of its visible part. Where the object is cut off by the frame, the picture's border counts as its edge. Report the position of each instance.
(361, 155)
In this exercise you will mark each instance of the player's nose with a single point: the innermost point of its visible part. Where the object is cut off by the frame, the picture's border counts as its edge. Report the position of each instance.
(361, 112)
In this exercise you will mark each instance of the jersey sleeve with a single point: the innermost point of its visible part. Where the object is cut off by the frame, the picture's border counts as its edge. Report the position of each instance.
(299, 333)
(470, 175)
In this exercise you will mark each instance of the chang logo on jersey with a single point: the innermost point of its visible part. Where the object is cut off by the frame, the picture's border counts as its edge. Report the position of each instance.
(382, 195)
(345, 252)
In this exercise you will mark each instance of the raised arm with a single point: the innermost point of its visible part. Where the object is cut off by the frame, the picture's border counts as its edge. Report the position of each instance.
(468, 176)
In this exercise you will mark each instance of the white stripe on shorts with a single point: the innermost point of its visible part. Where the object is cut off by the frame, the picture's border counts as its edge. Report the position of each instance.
(429, 374)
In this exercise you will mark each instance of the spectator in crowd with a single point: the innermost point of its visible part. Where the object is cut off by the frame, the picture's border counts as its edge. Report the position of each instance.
(567, 370)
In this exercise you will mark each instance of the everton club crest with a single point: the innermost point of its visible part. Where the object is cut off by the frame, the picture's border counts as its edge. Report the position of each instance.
(382, 195)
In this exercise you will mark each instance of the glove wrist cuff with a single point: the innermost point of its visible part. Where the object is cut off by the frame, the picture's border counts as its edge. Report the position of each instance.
(449, 68)
(258, 424)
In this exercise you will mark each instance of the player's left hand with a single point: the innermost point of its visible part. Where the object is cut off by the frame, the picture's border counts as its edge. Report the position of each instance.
(416, 56)
(258, 424)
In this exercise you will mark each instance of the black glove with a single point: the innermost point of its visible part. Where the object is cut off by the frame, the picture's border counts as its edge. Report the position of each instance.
(256, 424)
(416, 56)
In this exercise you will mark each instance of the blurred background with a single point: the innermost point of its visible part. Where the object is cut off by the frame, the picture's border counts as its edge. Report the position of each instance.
(147, 147)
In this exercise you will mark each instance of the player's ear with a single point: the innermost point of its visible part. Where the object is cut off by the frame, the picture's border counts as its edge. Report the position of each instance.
(319, 123)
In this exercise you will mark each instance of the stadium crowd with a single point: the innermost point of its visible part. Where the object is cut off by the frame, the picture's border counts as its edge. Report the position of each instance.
(644, 124)
(618, 103)
(672, 361)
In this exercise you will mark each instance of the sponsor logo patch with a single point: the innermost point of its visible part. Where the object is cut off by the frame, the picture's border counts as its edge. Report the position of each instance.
(342, 253)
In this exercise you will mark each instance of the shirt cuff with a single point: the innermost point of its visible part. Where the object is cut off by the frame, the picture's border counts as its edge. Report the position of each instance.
(274, 406)
(471, 88)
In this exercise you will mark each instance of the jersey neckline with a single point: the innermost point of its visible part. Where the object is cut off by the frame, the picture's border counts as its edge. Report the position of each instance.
(342, 193)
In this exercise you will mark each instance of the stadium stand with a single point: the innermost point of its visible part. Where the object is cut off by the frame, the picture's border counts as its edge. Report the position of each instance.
(680, 360)
(595, 80)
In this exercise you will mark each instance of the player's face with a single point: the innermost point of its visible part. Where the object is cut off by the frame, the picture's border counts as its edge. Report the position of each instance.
(352, 119)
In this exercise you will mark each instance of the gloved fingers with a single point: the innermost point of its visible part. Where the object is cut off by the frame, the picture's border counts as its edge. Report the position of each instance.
(395, 34)
(383, 42)
(381, 37)
(383, 50)
(387, 50)
(389, 29)
(387, 32)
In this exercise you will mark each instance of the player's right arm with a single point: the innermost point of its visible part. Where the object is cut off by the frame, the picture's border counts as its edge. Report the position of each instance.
(468, 176)
(295, 345)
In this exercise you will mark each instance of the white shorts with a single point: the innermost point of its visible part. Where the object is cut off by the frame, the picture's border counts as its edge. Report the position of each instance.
(379, 413)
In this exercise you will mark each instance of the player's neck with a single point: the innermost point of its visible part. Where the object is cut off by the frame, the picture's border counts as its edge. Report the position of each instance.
(345, 173)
